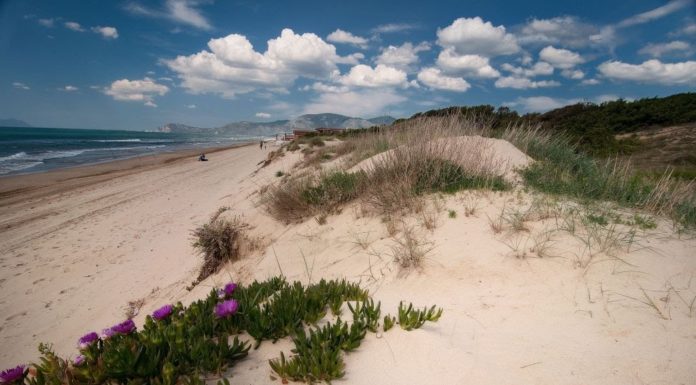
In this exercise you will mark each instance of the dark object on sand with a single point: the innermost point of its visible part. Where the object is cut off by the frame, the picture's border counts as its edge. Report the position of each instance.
(202, 158)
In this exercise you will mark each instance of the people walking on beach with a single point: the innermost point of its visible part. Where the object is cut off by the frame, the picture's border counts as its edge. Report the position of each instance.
(261, 144)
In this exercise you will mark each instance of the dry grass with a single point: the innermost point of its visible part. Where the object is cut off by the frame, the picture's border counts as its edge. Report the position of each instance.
(221, 241)
(410, 250)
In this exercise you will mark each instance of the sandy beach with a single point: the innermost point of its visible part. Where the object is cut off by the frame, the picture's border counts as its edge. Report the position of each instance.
(76, 251)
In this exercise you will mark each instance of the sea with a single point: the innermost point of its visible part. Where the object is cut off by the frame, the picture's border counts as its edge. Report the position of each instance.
(29, 149)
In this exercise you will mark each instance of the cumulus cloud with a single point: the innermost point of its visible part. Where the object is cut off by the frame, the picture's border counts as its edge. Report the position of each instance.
(541, 103)
(538, 69)
(180, 11)
(232, 66)
(661, 49)
(573, 74)
(524, 83)
(344, 37)
(69, 88)
(466, 65)
(651, 71)
(381, 76)
(20, 86)
(403, 57)
(74, 26)
(106, 32)
(590, 82)
(143, 90)
(364, 102)
(560, 58)
(565, 31)
(263, 115)
(477, 37)
(393, 28)
(48, 23)
(435, 79)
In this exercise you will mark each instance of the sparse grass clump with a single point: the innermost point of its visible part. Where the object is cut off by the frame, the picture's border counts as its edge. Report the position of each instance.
(219, 241)
(560, 169)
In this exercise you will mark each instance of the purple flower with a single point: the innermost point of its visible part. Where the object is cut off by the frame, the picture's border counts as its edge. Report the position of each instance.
(87, 340)
(125, 327)
(226, 308)
(163, 312)
(107, 333)
(79, 360)
(227, 290)
(12, 375)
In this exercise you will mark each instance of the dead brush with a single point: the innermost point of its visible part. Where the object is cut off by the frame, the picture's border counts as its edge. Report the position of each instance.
(410, 250)
(220, 241)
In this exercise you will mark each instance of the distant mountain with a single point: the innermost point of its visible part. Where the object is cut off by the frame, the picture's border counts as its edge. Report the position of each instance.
(13, 123)
(302, 122)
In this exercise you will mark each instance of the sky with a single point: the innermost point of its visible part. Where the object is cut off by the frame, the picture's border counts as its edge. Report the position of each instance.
(137, 65)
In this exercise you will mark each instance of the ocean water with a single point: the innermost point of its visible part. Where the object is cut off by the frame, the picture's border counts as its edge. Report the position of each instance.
(29, 150)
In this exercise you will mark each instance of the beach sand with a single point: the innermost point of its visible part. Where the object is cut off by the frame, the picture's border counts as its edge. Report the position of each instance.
(73, 257)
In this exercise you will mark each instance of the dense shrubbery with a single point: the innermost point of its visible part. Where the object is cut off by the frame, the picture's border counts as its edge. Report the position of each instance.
(179, 345)
(592, 126)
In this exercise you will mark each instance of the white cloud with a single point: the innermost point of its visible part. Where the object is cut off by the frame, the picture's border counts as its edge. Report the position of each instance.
(560, 58)
(325, 88)
(71, 25)
(381, 76)
(20, 86)
(363, 103)
(344, 37)
(688, 29)
(263, 115)
(590, 82)
(191, 106)
(106, 32)
(523, 83)
(142, 90)
(433, 78)
(608, 34)
(657, 50)
(565, 30)
(232, 66)
(69, 88)
(573, 74)
(656, 13)
(403, 57)
(651, 71)
(394, 27)
(48, 23)
(180, 11)
(474, 36)
(538, 69)
(466, 65)
(541, 103)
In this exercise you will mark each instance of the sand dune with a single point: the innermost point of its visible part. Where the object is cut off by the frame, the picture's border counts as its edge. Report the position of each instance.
(513, 313)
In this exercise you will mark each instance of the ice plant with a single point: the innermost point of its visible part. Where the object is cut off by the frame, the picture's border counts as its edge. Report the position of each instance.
(12, 375)
(107, 333)
(227, 290)
(125, 327)
(163, 312)
(226, 308)
(79, 360)
(87, 340)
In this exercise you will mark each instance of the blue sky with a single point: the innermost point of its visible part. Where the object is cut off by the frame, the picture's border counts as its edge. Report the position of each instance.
(140, 64)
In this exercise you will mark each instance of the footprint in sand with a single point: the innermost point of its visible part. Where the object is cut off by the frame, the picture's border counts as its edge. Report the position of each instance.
(10, 318)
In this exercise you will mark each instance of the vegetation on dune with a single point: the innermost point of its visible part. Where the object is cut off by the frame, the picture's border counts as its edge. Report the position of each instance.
(593, 127)
(187, 345)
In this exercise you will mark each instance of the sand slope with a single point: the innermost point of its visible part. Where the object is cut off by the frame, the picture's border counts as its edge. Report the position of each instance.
(510, 316)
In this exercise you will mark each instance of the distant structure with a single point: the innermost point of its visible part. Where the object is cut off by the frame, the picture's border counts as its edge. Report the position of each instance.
(300, 133)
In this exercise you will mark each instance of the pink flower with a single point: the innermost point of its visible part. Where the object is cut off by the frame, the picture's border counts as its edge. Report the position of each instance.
(227, 291)
(12, 375)
(87, 340)
(226, 308)
(163, 312)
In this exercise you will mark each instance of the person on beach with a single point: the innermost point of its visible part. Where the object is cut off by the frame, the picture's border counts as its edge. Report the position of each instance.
(261, 144)
(202, 158)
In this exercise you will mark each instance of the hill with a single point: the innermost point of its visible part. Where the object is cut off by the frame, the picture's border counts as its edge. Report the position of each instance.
(308, 121)
(13, 123)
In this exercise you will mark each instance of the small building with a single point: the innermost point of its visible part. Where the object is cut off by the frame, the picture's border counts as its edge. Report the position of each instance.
(330, 131)
(301, 133)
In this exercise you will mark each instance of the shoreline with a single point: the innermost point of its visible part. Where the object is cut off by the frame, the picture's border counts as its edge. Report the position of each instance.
(17, 187)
